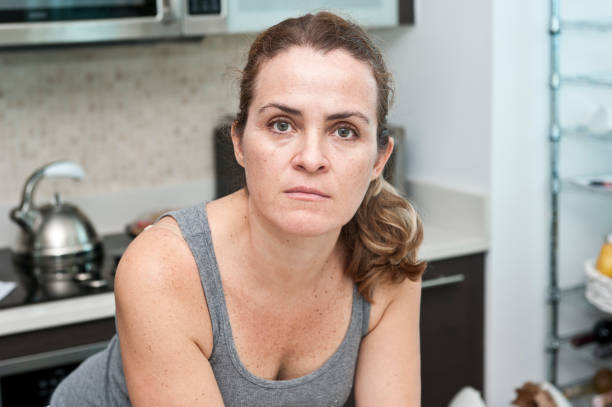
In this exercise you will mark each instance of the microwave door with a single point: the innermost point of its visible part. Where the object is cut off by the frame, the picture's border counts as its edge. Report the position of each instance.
(109, 20)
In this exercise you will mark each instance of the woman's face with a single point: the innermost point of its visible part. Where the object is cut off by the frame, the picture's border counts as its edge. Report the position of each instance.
(309, 144)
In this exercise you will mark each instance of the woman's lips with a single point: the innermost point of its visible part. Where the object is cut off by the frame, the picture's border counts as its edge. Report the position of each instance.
(306, 194)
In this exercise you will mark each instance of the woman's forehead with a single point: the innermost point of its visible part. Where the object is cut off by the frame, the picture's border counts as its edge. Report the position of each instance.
(303, 76)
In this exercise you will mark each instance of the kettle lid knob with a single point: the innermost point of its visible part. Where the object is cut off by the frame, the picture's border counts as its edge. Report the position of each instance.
(57, 199)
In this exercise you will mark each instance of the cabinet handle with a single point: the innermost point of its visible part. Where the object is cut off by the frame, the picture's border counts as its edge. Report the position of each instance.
(437, 282)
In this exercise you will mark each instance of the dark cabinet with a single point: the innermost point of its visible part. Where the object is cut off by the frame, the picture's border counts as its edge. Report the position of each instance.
(452, 328)
(33, 363)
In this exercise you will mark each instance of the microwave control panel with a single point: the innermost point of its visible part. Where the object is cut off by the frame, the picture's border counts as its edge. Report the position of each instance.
(200, 7)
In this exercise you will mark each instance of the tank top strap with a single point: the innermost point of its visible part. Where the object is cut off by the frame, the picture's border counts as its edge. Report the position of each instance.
(193, 223)
(365, 315)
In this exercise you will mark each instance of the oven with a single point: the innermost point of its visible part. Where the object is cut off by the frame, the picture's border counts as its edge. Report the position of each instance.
(33, 363)
(48, 327)
(30, 380)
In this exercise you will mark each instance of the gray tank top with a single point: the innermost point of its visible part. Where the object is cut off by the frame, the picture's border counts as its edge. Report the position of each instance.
(99, 380)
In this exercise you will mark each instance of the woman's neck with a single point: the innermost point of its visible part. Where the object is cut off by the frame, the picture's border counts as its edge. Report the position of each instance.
(286, 262)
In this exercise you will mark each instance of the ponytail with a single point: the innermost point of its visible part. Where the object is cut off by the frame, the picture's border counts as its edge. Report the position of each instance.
(382, 240)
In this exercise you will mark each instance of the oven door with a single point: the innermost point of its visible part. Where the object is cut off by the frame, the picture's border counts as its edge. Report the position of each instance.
(30, 380)
(74, 21)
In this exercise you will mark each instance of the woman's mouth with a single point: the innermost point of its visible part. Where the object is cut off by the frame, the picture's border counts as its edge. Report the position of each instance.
(306, 194)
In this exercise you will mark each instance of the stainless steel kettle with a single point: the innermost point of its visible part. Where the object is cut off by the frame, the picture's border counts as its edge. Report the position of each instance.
(56, 229)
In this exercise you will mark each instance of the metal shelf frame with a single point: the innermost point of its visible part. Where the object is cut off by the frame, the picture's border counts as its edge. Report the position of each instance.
(554, 342)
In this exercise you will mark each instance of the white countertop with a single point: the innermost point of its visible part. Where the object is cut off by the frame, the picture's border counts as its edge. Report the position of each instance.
(440, 243)
(449, 232)
(56, 313)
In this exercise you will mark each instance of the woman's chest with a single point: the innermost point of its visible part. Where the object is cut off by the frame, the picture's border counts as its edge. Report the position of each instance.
(285, 338)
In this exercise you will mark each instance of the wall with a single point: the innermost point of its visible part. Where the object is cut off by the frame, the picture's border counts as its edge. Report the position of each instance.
(136, 117)
(518, 261)
(442, 72)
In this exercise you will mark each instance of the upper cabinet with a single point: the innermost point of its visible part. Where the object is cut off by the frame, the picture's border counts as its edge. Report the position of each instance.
(256, 15)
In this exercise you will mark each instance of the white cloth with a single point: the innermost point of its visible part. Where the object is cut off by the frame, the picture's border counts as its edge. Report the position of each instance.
(467, 397)
(6, 287)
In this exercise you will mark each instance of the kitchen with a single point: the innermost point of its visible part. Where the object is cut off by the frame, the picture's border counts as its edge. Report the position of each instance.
(475, 141)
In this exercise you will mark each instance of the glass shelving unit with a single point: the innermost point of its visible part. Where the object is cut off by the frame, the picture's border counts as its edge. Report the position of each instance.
(570, 297)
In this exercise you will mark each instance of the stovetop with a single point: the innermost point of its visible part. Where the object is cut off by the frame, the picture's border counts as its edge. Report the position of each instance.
(32, 288)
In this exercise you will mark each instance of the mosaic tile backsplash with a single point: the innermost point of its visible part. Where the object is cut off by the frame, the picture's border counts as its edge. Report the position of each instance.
(131, 115)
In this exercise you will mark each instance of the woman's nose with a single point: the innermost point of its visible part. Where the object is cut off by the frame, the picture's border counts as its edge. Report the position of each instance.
(311, 156)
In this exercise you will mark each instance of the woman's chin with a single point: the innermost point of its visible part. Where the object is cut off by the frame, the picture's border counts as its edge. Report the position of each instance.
(311, 225)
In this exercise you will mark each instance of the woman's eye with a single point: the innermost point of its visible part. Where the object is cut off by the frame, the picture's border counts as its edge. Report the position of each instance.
(281, 126)
(345, 132)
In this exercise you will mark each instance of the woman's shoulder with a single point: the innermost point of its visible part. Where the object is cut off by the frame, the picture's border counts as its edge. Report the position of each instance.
(157, 251)
(404, 294)
(158, 272)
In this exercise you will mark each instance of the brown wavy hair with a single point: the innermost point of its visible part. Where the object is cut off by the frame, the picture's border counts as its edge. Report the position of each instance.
(383, 236)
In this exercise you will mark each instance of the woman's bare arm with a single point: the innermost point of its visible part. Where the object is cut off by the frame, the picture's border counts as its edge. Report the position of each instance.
(389, 368)
(163, 324)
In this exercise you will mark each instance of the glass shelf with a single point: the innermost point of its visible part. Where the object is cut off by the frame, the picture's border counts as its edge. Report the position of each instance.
(595, 79)
(582, 184)
(574, 297)
(587, 25)
(585, 353)
(584, 132)
(581, 400)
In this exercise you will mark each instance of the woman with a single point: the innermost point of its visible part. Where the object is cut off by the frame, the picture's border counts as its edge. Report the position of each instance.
(290, 290)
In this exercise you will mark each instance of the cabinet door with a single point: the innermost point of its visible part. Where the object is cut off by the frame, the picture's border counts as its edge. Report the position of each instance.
(452, 335)
(56, 338)
(33, 363)
(257, 15)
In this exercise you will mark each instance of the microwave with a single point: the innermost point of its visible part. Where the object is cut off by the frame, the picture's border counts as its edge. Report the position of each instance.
(40, 22)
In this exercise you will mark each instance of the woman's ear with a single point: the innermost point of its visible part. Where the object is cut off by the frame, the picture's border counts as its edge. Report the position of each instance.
(382, 159)
(237, 142)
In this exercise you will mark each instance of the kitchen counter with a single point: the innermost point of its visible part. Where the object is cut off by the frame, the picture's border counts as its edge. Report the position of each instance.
(442, 243)
(454, 225)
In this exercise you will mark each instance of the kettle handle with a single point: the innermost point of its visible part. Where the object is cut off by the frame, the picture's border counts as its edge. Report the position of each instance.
(56, 169)
(66, 169)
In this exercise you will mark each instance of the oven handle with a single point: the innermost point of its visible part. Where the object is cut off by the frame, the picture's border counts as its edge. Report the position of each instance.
(441, 281)
(44, 360)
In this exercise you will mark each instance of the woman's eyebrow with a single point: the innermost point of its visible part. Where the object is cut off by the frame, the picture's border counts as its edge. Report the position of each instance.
(335, 116)
(346, 115)
(282, 107)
